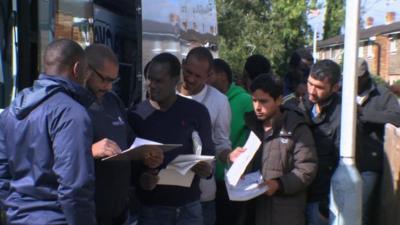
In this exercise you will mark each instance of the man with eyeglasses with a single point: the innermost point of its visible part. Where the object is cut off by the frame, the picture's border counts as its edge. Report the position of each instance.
(111, 134)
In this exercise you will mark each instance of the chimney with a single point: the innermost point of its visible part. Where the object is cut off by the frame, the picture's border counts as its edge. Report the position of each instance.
(369, 22)
(390, 17)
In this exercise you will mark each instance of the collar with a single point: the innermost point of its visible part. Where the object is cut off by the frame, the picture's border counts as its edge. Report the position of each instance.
(199, 97)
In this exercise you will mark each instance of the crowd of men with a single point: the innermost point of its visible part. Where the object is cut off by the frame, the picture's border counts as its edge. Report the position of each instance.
(55, 134)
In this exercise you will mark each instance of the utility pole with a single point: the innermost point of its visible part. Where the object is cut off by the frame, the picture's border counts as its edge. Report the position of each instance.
(315, 37)
(345, 196)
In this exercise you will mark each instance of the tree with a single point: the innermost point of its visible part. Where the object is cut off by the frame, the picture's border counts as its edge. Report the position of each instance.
(271, 28)
(334, 18)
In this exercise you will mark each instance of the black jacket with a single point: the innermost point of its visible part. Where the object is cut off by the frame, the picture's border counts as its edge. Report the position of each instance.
(326, 132)
(112, 177)
(379, 107)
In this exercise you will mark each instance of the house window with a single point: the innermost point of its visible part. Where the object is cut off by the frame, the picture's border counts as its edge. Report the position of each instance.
(393, 45)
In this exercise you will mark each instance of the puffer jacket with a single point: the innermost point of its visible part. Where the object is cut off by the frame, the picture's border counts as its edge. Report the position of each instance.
(287, 155)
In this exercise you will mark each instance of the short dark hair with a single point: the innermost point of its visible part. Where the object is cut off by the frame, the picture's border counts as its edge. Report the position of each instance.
(326, 69)
(256, 65)
(200, 53)
(220, 65)
(98, 54)
(174, 66)
(146, 69)
(305, 54)
(62, 54)
(269, 83)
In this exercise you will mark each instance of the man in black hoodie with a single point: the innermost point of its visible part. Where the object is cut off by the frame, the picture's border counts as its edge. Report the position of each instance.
(46, 168)
(111, 134)
(376, 107)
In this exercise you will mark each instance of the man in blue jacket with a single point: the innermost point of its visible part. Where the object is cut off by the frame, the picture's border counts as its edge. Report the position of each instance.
(46, 167)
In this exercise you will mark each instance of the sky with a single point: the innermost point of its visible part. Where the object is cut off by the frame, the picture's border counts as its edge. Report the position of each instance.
(374, 8)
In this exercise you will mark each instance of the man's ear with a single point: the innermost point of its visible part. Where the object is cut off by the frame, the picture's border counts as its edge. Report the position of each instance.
(75, 70)
(279, 100)
(335, 87)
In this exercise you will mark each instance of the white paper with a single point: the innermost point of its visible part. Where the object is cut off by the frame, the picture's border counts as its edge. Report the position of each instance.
(178, 171)
(141, 141)
(247, 188)
(139, 148)
(183, 163)
(239, 166)
(172, 177)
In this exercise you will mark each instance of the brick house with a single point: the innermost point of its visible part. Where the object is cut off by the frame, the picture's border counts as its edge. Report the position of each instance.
(379, 45)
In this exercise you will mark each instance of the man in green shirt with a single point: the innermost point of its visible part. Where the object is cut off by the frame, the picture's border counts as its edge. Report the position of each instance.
(240, 102)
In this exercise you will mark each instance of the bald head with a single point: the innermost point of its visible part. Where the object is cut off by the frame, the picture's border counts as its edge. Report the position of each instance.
(98, 54)
(61, 55)
(103, 69)
(65, 58)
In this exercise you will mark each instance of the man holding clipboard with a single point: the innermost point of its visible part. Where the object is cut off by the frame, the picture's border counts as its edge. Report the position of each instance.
(168, 118)
(111, 134)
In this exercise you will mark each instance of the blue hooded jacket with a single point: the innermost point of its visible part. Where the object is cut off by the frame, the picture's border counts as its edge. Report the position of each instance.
(46, 166)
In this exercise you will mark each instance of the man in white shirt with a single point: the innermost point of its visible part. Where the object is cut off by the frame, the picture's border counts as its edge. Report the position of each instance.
(196, 70)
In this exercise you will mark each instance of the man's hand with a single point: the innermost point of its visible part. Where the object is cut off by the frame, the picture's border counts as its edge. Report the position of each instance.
(148, 180)
(273, 187)
(236, 153)
(105, 148)
(154, 159)
(202, 169)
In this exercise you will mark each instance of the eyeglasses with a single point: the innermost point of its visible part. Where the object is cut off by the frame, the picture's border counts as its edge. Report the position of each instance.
(104, 78)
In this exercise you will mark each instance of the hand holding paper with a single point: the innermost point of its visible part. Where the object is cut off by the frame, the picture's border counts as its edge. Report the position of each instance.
(236, 153)
(202, 169)
(154, 159)
(148, 180)
(178, 171)
(104, 148)
(248, 187)
(239, 166)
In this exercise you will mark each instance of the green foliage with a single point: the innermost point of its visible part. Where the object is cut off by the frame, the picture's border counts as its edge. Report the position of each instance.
(271, 28)
(378, 80)
(334, 18)
(397, 82)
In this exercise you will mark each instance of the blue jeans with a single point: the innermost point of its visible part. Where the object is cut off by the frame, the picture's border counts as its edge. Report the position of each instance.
(208, 212)
(370, 179)
(313, 215)
(189, 214)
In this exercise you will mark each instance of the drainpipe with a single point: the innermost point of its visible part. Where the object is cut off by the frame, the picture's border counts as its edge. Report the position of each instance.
(345, 196)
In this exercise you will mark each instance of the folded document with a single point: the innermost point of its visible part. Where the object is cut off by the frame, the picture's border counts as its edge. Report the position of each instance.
(239, 166)
(247, 188)
(178, 171)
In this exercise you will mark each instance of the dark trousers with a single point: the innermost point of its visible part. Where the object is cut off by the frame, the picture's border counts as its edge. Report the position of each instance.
(230, 212)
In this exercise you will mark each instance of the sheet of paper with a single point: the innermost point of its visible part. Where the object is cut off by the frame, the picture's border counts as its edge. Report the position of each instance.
(172, 177)
(183, 163)
(239, 166)
(139, 148)
(247, 188)
(141, 141)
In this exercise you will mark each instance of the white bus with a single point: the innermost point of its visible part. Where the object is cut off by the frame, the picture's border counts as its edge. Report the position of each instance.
(136, 31)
